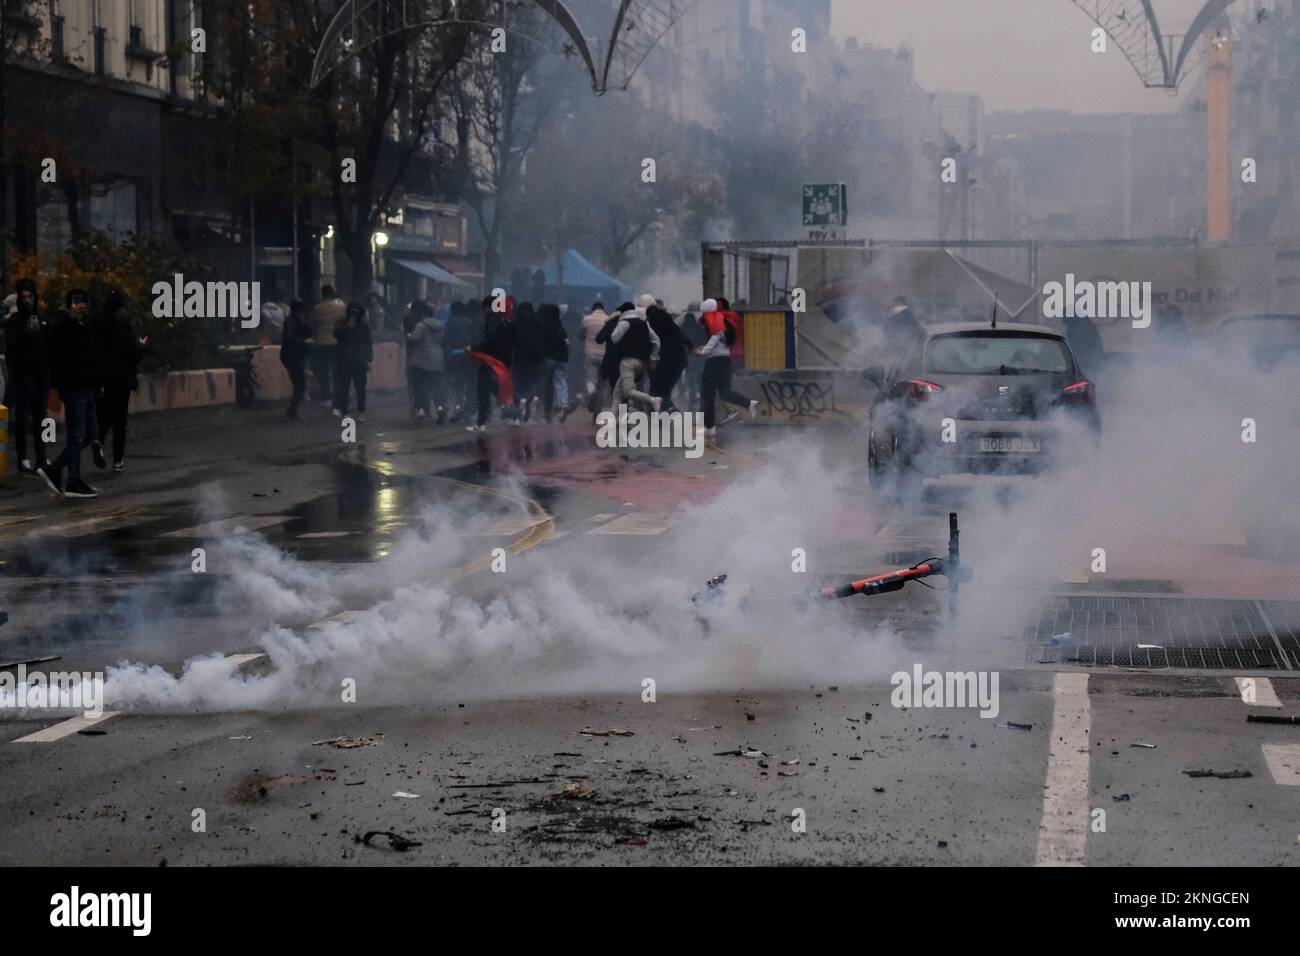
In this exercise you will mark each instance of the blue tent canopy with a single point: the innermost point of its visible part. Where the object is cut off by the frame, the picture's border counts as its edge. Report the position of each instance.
(579, 278)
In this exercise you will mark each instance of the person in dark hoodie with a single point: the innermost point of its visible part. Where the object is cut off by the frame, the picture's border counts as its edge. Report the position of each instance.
(528, 369)
(458, 367)
(673, 354)
(75, 372)
(498, 343)
(693, 332)
(352, 359)
(120, 351)
(555, 359)
(295, 346)
(609, 365)
(27, 363)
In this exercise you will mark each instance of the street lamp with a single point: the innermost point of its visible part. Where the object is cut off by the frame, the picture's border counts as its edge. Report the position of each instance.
(381, 239)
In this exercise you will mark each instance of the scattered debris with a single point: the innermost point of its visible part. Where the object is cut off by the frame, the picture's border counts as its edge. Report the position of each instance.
(493, 786)
(406, 796)
(672, 823)
(92, 733)
(636, 841)
(616, 732)
(878, 789)
(1122, 798)
(1271, 719)
(1143, 746)
(1015, 726)
(575, 791)
(347, 743)
(241, 737)
(943, 844)
(1220, 774)
(395, 840)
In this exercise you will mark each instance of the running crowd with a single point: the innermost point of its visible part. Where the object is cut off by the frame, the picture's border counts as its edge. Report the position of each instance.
(462, 359)
(91, 358)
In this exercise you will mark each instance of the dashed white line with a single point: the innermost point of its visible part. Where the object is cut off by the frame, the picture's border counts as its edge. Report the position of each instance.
(1063, 834)
(639, 522)
(1265, 695)
(65, 728)
(1283, 763)
(212, 529)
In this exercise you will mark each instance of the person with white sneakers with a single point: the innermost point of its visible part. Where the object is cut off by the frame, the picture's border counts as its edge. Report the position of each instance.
(721, 324)
(640, 352)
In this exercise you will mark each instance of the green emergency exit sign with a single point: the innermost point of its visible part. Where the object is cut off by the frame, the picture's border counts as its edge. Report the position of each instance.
(825, 204)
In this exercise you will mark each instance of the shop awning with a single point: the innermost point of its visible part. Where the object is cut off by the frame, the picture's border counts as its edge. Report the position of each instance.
(430, 271)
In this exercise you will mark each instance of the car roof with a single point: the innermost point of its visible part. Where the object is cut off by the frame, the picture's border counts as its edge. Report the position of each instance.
(950, 328)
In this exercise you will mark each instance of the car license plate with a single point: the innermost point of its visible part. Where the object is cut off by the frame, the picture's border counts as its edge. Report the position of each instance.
(1014, 446)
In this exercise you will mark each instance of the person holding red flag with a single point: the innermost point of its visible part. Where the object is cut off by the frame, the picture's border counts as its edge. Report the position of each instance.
(494, 355)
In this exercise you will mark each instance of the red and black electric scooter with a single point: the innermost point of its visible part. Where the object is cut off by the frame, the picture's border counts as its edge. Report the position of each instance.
(950, 567)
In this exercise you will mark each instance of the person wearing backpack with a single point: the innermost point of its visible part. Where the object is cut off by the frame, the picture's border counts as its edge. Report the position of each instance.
(722, 326)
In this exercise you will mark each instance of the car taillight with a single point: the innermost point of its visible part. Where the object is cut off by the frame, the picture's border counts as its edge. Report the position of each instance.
(918, 389)
(1080, 393)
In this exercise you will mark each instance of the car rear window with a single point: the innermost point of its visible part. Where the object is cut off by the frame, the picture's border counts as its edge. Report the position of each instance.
(988, 353)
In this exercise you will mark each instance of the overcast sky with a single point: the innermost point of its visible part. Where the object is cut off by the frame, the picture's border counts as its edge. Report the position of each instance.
(1018, 54)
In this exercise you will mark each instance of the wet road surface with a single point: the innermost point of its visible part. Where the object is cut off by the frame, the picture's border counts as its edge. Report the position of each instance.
(1112, 688)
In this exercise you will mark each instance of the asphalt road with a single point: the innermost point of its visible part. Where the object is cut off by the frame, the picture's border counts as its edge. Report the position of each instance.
(500, 708)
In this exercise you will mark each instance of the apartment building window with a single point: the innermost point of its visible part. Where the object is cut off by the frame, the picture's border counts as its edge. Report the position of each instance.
(98, 38)
(100, 35)
(137, 47)
(56, 32)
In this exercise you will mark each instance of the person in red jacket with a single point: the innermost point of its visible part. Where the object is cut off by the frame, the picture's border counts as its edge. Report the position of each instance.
(723, 328)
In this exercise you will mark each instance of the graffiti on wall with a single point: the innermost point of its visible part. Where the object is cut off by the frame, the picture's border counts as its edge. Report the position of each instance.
(813, 399)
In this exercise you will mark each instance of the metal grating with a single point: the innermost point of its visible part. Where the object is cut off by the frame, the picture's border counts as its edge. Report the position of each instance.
(1183, 632)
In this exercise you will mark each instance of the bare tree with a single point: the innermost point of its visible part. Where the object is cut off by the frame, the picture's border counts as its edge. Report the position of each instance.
(500, 116)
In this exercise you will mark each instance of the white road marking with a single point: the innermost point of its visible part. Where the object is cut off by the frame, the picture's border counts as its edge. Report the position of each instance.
(1265, 695)
(65, 728)
(213, 529)
(639, 522)
(511, 525)
(1063, 834)
(72, 529)
(1283, 763)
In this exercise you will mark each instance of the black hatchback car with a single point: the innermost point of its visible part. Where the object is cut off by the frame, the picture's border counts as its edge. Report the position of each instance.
(968, 398)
